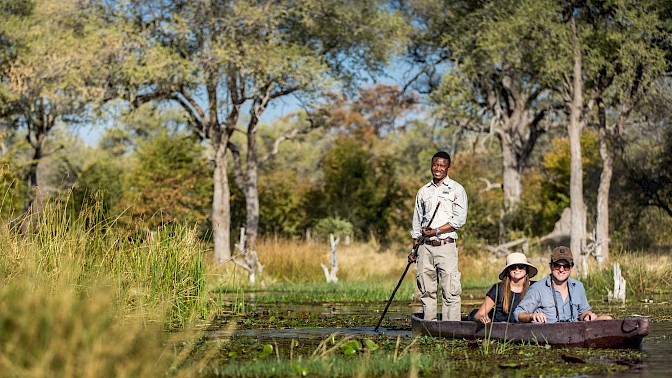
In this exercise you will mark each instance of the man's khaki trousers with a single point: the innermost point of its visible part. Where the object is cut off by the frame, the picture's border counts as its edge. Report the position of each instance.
(441, 262)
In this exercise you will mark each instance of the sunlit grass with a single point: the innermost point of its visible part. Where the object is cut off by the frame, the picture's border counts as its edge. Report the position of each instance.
(159, 274)
(645, 274)
(298, 262)
(80, 298)
(52, 329)
(367, 272)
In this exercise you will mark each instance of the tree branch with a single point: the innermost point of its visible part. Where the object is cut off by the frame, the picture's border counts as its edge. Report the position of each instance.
(489, 186)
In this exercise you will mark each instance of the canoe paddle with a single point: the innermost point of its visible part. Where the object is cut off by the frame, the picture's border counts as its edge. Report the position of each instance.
(415, 252)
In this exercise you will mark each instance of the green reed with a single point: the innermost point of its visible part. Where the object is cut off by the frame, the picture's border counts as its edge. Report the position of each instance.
(160, 273)
(52, 329)
(364, 291)
(83, 298)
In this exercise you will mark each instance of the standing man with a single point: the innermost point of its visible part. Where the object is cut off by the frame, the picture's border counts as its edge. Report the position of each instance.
(556, 298)
(443, 202)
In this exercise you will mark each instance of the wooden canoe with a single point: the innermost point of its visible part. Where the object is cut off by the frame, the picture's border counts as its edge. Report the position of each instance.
(618, 333)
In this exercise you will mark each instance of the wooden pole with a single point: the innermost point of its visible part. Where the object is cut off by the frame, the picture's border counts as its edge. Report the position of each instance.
(415, 252)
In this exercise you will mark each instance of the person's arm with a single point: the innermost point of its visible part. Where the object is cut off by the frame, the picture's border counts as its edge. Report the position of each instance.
(584, 308)
(482, 313)
(459, 216)
(525, 311)
(589, 316)
(415, 228)
(416, 224)
(529, 317)
(413, 256)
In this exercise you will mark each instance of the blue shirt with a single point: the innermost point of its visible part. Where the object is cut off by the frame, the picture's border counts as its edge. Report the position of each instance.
(539, 298)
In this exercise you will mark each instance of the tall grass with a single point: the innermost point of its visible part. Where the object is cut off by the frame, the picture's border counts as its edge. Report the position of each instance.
(81, 298)
(363, 266)
(288, 261)
(299, 262)
(51, 329)
(160, 273)
(644, 273)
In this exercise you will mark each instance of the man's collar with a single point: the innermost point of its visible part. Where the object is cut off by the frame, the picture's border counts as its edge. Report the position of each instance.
(445, 182)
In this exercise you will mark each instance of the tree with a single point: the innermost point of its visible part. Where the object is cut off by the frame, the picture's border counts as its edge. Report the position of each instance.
(219, 59)
(12, 15)
(53, 78)
(361, 166)
(495, 82)
(375, 112)
(616, 57)
(648, 159)
(627, 57)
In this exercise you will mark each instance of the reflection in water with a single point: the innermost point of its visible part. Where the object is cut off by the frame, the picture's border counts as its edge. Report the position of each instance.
(657, 350)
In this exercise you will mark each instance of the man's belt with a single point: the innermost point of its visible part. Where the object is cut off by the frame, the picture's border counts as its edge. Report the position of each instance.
(436, 243)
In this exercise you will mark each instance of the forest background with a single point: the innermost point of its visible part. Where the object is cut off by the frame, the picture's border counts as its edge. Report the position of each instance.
(543, 105)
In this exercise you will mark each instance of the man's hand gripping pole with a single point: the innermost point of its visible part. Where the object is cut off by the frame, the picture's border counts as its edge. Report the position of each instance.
(413, 256)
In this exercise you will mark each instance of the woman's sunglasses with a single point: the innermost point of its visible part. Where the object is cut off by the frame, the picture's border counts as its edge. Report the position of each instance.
(518, 266)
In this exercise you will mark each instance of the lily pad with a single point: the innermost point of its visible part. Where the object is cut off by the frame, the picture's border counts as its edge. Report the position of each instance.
(370, 345)
(349, 351)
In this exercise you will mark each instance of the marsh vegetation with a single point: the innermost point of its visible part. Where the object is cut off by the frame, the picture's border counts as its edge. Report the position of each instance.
(89, 301)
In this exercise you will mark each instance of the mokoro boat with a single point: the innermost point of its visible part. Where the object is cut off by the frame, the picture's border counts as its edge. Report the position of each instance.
(619, 333)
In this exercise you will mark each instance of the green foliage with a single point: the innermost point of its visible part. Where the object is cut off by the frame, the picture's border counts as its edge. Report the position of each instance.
(50, 329)
(283, 201)
(100, 183)
(53, 78)
(359, 187)
(89, 300)
(337, 226)
(161, 272)
(468, 168)
(11, 190)
(358, 291)
(497, 50)
(547, 189)
(169, 182)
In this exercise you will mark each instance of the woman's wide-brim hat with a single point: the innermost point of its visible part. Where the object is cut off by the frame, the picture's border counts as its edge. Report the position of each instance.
(516, 258)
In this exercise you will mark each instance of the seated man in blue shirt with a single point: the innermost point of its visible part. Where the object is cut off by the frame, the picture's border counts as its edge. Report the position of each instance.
(556, 298)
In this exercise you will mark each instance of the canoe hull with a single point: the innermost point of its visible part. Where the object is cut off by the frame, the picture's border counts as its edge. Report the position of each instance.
(619, 333)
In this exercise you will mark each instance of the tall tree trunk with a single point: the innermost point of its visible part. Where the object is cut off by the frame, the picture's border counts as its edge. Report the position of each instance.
(31, 179)
(251, 190)
(511, 176)
(577, 206)
(252, 207)
(221, 206)
(248, 182)
(517, 129)
(602, 228)
(32, 207)
(251, 180)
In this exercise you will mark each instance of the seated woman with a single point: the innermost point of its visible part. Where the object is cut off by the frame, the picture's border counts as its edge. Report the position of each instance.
(506, 294)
